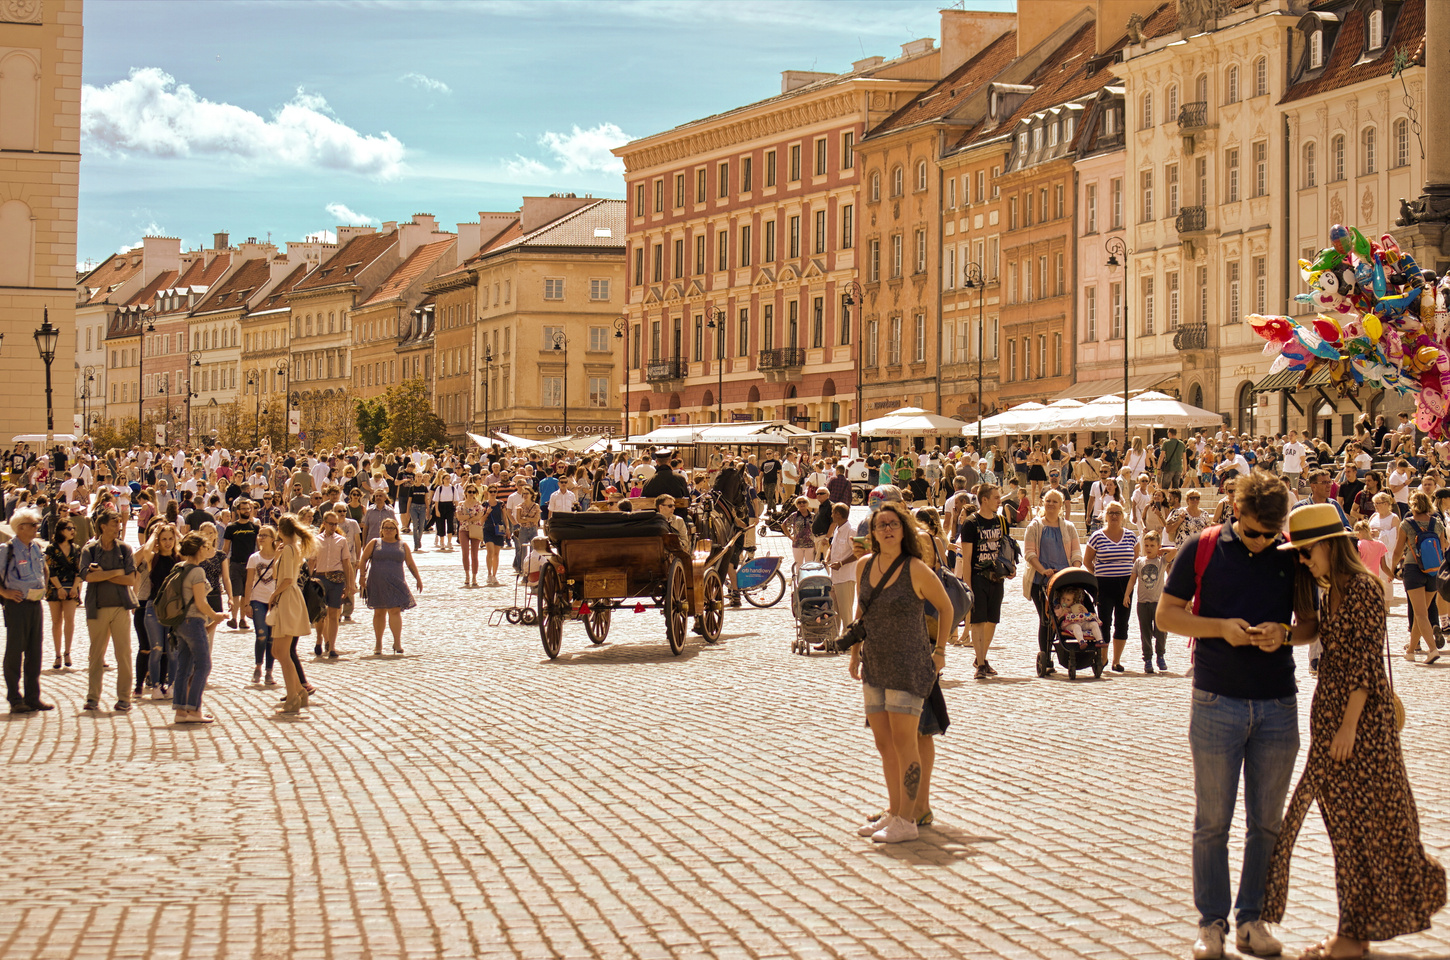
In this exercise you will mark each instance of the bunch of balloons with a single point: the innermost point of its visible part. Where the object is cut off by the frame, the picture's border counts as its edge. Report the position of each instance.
(1379, 321)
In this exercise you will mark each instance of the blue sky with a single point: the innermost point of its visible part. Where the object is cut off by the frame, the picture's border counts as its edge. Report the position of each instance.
(289, 118)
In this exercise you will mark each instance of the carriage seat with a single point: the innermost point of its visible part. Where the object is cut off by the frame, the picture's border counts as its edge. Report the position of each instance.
(605, 526)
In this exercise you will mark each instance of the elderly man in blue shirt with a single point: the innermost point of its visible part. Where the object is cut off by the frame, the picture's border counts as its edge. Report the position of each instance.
(22, 586)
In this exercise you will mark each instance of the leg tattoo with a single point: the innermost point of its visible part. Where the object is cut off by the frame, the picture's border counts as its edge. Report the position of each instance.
(912, 780)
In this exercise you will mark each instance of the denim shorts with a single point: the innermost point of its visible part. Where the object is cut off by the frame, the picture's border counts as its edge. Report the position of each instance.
(880, 699)
(334, 591)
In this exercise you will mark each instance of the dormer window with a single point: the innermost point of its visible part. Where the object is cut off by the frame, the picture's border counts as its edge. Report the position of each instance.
(1376, 28)
(1036, 139)
(1316, 49)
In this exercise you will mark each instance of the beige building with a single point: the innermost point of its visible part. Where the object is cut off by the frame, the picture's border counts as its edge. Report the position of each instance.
(265, 364)
(40, 101)
(380, 319)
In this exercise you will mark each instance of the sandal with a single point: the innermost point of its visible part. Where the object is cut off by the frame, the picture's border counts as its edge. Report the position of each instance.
(1321, 951)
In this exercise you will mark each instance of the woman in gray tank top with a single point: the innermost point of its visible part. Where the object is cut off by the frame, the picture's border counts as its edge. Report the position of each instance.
(896, 663)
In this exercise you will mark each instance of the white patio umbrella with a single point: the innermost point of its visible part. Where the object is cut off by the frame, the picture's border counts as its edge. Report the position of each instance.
(906, 422)
(1151, 410)
(1025, 418)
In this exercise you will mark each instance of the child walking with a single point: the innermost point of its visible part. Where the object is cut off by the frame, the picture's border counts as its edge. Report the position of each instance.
(1148, 574)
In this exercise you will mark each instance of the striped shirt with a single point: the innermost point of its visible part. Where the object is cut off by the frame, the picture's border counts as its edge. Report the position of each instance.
(1113, 559)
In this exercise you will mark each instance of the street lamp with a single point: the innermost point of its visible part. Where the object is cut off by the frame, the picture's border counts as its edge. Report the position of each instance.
(487, 372)
(86, 401)
(1117, 248)
(142, 328)
(561, 342)
(254, 380)
(855, 296)
(621, 332)
(712, 315)
(975, 280)
(190, 394)
(45, 341)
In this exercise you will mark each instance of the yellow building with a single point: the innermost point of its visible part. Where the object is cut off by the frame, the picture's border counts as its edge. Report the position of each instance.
(40, 104)
(380, 319)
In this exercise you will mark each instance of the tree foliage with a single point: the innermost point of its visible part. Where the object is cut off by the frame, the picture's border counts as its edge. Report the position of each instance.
(410, 417)
(372, 422)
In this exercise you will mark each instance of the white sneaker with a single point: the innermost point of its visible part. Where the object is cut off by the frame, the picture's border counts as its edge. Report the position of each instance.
(149, 692)
(871, 826)
(1254, 937)
(1209, 945)
(895, 830)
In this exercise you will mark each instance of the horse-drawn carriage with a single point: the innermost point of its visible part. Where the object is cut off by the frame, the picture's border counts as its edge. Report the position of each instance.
(596, 563)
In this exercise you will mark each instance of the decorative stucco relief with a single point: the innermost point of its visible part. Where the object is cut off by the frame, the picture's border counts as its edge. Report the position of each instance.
(21, 11)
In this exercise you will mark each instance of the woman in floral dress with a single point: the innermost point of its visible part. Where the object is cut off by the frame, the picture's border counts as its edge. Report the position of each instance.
(1388, 885)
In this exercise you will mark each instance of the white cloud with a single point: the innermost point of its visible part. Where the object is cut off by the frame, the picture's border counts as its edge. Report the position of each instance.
(587, 150)
(425, 83)
(150, 113)
(348, 217)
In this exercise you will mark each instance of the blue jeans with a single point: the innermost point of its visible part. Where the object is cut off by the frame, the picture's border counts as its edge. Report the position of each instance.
(523, 537)
(415, 523)
(264, 634)
(193, 664)
(1226, 735)
(157, 634)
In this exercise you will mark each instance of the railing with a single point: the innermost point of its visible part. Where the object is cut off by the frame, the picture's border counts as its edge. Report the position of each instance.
(782, 358)
(1194, 114)
(1191, 336)
(658, 370)
(1192, 220)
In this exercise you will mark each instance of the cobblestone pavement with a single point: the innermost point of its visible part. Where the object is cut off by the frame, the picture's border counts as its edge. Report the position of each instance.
(472, 798)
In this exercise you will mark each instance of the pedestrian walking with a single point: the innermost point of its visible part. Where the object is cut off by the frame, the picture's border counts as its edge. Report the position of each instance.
(157, 556)
(988, 557)
(526, 525)
(193, 645)
(385, 589)
(1110, 555)
(63, 589)
(22, 584)
(1417, 561)
(1388, 885)
(287, 615)
(334, 569)
(471, 534)
(261, 583)
(1149, 572)
(1051, 544)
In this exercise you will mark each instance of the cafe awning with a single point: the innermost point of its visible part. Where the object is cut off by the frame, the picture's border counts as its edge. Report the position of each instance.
(1289, 380)
(1092, 389)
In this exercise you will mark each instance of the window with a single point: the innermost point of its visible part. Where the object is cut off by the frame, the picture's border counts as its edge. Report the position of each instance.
(553, 288)
(1336, 157)
(921, 251)
(742, 333)
(769, 237)
(1116, 187)
(918, 354)
(745, 248)
(699, 341)
(821, 157)
(1172, 284)
(722, 179)
(1146, 110)
(1012, 281)
(599, 339)
(699, 253)
(795, 162)
(700, 185)
(1011, 360)
(678, 259)
(722, 250)
(1090, 208)
(1041, 276)
(1145, 191)
(1261, 77)
(552, 394)
(893, 345)
(1201, 170)
(1308, 176)
(1231, 165)
(1042, 205)
(1231, 85)
(848, 150)
(1170, 98)
(875, 186)
(1060, 268)
(598, 391)
(951, 193)
(845, 314)
(996, 187)
(679, 190)
(1170, 177)
(1042, 355)
(994, 257)
(767, 327)
(981, 186)
(921, 175)
(1376, 25)
(848, 239)
(1203, 294)
(1011, 213)
(1116, 292)
(794, 237)
(1145, 284)
(599, 288)
(656, 350)
(873, 261)
(819, 234)
(896, 255)
(1401, 134)
(1261, 284)
(873, 343)
(1234, 293)
(1367, 149)
(950, 272)
(818, 322)
(1200, 88)
(1059, 201)
(747, 167)
(1316, 50)
(659, 262)
(770, 168)
(1261, 168)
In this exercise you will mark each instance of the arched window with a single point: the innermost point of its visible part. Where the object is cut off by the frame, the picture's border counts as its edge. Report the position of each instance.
(1336, 157)
(1316, 49)
(1145, 108)
(17, 243)
(1246, 409)
(20, 93)
(1200, 88)
(1170, 102)
(1402, 142)
(1231, 85)
(1261, 77)
(876, 185)
(1376, 28)
(1309, 176)
(898, 182)
(921, 175)
(1367, 160)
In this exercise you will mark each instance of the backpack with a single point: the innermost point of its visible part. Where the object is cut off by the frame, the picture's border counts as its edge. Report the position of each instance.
(1427, 548)
(172, 602)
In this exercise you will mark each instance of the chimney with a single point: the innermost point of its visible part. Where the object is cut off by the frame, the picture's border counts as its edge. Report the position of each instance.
(422, 229)
(469, 240)
(917, 47)
(252, 250)
(219, 241)
(966, 33)
(795, 79)
(541, 211)
(344, 234)
(1046, 17)
(861, 66)
(159, 254)
(1113, 17)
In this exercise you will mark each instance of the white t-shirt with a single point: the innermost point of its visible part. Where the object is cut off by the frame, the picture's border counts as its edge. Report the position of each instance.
(1399, 484)
(320, 473)
(1239, 464)
(562, 501)
(512, 504)
(1141, 498)
(1364, 462)
(264, 584)
(1293, 457)
(1387, 531)
(841, 553)
(1137, 463)
(790, 473)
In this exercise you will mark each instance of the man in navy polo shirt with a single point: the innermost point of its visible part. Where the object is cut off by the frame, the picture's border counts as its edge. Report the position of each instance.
(1244, 716)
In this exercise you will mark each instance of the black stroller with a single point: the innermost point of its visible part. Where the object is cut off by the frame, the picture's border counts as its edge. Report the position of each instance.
(1088, 654)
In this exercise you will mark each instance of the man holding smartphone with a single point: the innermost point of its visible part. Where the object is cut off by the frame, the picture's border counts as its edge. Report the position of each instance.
(1244, 717)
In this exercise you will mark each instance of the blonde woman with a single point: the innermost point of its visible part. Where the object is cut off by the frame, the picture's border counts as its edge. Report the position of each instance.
(287, 616)
(471, 535)
(385, 589)
(157, 556)
(261, 584)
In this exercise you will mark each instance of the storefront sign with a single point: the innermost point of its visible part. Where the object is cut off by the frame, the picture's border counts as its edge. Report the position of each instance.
(741, 417)
(576, 430)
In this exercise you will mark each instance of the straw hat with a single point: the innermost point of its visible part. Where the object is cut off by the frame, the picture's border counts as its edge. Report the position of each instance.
(1311, 523)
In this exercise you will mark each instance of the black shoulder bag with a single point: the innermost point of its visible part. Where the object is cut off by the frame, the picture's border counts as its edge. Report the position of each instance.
(855, 631)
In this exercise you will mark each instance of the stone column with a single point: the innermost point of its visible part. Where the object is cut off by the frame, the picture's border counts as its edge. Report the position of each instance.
(1437, 105)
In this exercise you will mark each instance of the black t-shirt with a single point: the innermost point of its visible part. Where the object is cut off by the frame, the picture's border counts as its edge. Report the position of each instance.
(242, 535)
(1256, 587)
(770, 472)
(920, 488)
(985, 536)
(1347, 493)
(234, 491)
(196, 519)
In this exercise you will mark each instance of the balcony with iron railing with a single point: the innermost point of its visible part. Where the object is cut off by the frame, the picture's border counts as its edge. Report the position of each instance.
(1193, 115)
(781, 363)
(1192, 220)
(1191, 336)
(665, 374)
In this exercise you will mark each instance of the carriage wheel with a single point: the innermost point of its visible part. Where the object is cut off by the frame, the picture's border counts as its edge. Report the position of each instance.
(676, 607)
(551, 610)
(768, 594)
(596, 624)
(712, 606)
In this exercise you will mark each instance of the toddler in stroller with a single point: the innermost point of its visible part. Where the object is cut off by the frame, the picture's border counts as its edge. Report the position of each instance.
(1073, 613)
(813, 602)
(1070, 615)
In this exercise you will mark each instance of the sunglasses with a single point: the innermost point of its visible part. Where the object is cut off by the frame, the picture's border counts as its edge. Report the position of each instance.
(1258, 534)
(1304, 552)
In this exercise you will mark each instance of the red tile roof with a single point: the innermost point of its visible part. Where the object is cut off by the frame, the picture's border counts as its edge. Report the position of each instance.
(578, 228)
(1345, 67)
(238, 288)
(948, 94)
(145, 296)
(347, 263)
(409, 270)
(112, 272)
(281, 295)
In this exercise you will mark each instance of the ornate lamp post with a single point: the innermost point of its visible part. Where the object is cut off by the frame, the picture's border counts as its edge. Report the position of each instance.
(1117, 249)
(195, 359)
(46, 338)
(855, 296)
(561, 342)
(254, 380)
(715, 320)
(86, 401)
(142, 328)
(975, 281)
(621, 332)
(487, 372)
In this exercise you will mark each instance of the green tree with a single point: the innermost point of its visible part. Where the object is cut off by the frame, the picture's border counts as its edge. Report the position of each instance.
(372, 422)
(411, 420)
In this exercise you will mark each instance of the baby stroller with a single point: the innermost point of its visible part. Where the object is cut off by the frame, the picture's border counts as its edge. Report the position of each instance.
(1071, 654)
(813, 604)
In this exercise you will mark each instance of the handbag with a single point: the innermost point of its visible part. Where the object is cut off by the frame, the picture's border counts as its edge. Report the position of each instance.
(475, 531)
(1398, 704)
(855, 631)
